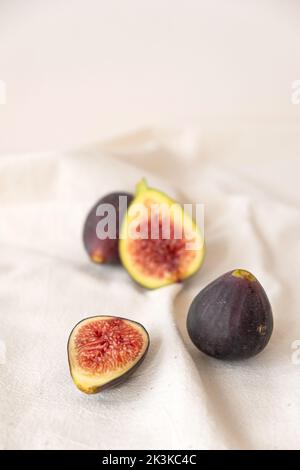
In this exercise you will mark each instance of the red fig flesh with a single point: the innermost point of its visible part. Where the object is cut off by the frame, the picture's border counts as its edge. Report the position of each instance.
(103, 351)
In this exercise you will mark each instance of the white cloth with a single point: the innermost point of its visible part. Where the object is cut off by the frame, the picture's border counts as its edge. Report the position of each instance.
(179, 398)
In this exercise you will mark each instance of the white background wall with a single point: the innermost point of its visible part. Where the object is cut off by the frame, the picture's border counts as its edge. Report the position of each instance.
(82, 70)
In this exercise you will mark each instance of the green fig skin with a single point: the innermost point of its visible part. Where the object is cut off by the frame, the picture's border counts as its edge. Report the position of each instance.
(231, 318)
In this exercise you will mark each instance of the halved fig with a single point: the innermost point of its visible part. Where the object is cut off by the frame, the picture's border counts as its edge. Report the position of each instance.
(104, 350)
(101, 227)
(159, 242)
(231, 318)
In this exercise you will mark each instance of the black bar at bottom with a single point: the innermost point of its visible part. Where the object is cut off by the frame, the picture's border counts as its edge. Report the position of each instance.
(137, 458)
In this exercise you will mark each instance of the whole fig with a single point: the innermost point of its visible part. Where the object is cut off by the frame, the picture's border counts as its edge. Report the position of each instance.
(231, 318)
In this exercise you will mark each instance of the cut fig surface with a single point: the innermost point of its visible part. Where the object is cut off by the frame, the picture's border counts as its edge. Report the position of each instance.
(100, 245)
(104, 350)
(231, 318)
(159, 243)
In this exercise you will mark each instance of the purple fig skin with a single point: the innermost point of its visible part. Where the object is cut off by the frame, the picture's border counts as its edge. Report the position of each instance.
(231, 318)
(106, 250)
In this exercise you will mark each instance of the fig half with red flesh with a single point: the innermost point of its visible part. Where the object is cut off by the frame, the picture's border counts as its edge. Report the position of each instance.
(106, 214)
(104, 350)
(160, 243)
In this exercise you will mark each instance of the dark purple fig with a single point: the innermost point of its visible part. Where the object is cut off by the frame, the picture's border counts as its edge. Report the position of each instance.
(102, 226)
(231, 318)
(103, 351)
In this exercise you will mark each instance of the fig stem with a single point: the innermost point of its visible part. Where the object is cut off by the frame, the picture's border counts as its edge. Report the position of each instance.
(242, 273)
(141, 187)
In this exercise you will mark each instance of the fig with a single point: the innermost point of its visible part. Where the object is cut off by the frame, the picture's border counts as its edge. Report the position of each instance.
(160, 243)
(101, 227)
(231, 318)
(104, 350)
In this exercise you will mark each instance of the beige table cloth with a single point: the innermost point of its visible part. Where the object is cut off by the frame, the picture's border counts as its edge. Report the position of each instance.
(248, 179)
